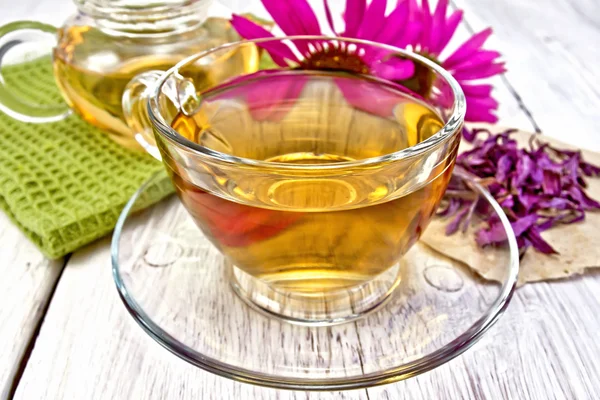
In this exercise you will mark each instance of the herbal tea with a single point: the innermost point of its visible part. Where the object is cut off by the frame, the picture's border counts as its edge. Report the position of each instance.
(314, 234)
(96, 96)
(93, 68)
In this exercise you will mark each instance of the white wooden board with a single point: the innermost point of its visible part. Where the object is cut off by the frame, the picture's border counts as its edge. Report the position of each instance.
(544, 347)
(27, 281)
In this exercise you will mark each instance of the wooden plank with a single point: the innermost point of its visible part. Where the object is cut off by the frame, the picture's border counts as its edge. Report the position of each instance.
(27, 278)
(546, 336)
(540, 347)
(90, 348)
(552, 60)
(74, 342)
(27, 283)
(544, 346)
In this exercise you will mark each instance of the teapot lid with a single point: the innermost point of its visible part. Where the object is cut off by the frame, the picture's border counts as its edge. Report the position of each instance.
(143, 16)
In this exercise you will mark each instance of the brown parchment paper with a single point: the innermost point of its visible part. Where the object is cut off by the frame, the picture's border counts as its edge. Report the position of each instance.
(578, 244)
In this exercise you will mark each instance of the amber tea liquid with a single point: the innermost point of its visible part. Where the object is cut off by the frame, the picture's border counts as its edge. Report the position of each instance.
(93, 68)
(310, 235)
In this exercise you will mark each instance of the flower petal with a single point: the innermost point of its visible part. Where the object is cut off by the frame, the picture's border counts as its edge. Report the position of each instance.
(426, 20)
(524, 223)
(294, 17)
(283, 15)
(495, 234)
(394, 24)
(538, 187)
(304, 15)
(373, 20)
(477, 60)
(355, 9)
(272, 99)
(249, 30)
(394, 69)
(410, 34)
(477, 115)
(467, 48)
(505, 166)
(482, 103)
(539, 243)
(329, 16)
(525, 168)
(479, 73)
(365, 96)
(477, 90)
(451, 25)
(438, 25)
(453, 226)
(413, 26)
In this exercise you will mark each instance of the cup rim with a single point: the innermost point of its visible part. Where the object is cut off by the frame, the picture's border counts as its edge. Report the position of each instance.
(446, 132)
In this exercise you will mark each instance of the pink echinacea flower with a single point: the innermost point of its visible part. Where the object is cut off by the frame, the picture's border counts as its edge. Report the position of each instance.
(469, 63)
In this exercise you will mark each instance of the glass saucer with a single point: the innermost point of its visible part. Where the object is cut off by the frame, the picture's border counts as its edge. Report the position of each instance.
(178, 287)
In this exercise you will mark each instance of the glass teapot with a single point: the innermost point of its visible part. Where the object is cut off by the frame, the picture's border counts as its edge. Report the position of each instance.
(108, 42)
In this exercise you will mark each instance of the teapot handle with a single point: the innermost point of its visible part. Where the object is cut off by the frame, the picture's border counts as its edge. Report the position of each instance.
(11, 103)
(135, 109)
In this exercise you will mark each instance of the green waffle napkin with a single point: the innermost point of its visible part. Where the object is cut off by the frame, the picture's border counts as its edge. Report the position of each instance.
(64, 183)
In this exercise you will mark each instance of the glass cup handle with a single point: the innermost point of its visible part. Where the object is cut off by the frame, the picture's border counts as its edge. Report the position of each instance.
(11, 104)
(135, 109)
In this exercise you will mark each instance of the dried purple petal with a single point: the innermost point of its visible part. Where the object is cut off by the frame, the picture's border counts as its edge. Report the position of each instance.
(589, 169)
(453, 226)
(539, 243)
(452, 207)
(505, 165)
(525, 168)
(538, 188)
(494, 234)
(527, 200)
(556, 203)
(508, 202)
(467, 220)
(523, 224)
(578, 194)
(551, 183)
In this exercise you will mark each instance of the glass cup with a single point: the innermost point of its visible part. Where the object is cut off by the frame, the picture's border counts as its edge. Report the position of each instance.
(313, 174)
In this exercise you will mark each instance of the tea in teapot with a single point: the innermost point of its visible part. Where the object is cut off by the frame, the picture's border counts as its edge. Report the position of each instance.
(99, 51)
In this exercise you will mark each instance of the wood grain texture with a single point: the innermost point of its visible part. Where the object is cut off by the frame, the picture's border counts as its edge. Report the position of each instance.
(177, 279)
(544, 347)
(511, 112)
(553, 59)
(27, 281)
(90, 348)
(540, 348)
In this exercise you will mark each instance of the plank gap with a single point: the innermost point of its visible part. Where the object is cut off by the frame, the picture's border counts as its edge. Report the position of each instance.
(31, 343)
(520, 102)
(360, 356)
(514, 93)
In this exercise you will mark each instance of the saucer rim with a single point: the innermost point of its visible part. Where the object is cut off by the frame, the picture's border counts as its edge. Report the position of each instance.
(426, 363)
